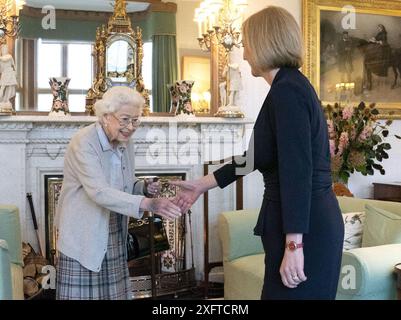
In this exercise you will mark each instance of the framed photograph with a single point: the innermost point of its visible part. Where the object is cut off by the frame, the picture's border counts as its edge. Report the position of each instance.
(353, 52)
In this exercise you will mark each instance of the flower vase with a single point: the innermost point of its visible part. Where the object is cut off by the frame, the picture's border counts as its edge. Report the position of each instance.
(173, 98)
(59, 87)
(340, 187)
(180, 92)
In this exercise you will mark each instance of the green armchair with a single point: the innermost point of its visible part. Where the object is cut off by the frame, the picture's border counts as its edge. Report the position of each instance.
(370, 268)
(11, 274)
(6, 291)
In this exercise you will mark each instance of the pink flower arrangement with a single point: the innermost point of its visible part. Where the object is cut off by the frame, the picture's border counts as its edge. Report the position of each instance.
(356, 140)
(343, 142)
(348, 112)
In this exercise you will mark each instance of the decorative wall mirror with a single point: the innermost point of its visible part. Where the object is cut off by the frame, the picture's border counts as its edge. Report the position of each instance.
(120, 60)
(118, 53)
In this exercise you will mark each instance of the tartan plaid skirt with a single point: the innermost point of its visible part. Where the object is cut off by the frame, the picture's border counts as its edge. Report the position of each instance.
(75, 282)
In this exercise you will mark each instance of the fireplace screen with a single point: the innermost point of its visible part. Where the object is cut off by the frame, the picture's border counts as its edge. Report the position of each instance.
(172, 274)
(171, 260)
(52, 192)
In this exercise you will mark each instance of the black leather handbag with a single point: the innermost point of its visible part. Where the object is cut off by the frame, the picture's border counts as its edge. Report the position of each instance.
(138, 239)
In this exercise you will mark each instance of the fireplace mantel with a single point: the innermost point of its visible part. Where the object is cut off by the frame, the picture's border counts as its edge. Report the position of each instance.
(68, 120)
(32, 147)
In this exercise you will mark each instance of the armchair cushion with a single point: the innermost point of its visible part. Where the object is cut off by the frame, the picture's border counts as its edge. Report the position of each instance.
(243, 278)
(348, 204)
(381, 227)
(236, 234)
(353, 228)
(5, 272)
(10, 230)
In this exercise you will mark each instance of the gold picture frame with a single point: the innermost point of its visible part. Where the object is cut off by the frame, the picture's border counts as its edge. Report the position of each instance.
(322, 24)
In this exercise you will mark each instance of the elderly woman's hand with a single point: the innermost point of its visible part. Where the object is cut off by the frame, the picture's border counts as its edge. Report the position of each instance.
(152, 188)
(163, 207)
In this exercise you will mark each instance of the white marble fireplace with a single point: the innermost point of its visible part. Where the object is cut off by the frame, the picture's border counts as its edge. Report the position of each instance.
(32, 147)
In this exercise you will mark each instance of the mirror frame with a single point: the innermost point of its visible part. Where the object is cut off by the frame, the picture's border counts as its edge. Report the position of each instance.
(110, 42)
(118, 27)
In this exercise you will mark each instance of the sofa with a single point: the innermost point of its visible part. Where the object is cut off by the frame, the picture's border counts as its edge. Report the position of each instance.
(6, 292)
(371, 267)
(11, 272)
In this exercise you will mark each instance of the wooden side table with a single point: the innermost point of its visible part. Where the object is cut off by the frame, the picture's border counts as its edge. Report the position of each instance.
(397, 270)
(387, 191)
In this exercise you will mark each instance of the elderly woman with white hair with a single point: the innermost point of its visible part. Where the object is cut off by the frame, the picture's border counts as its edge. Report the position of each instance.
(99, 194)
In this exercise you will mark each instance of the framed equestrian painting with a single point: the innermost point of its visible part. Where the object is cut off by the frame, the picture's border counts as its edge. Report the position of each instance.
(353, 52)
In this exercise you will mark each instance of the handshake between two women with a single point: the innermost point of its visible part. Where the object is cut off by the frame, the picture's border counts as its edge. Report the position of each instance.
(171, 208)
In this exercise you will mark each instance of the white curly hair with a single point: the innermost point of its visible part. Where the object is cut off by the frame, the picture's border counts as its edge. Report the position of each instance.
(117, 97)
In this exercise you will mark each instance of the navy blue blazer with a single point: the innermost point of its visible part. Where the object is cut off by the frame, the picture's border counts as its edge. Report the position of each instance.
(290, 147)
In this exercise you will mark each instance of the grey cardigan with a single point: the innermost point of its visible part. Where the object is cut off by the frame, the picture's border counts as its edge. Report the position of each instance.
(86, 199)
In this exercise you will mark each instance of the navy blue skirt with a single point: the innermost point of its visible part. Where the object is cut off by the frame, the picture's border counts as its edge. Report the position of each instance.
(323, 247)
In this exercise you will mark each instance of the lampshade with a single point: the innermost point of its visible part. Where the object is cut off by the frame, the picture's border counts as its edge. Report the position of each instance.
(216, 5)
(199, 15)
(242, 3)
(16, 6)
(19, 4)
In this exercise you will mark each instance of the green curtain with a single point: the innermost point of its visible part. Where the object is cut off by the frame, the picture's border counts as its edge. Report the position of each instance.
(82, 30)
(67, 30)
(165, 70)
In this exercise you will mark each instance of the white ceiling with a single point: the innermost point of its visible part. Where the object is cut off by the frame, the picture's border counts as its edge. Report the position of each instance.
(87, 5)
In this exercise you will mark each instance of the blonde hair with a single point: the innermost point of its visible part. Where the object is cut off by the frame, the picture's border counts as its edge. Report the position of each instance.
(117, 97)
(274, 39)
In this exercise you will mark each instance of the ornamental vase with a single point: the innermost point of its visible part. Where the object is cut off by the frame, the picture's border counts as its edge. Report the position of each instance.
(59, 87)
(180, 94)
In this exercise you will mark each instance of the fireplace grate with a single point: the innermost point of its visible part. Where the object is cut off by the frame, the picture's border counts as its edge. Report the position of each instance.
(166, 284)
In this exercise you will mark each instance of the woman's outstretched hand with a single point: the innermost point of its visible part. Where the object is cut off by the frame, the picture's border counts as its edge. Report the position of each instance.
(188, 193)
(163, 207)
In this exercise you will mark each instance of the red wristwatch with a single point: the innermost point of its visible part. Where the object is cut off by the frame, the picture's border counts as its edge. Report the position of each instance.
(292, 245)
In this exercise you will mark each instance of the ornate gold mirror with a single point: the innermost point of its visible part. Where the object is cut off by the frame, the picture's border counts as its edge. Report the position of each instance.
(120, 60)
(118, 53)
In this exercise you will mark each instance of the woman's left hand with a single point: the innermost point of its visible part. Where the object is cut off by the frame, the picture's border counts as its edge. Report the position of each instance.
(152, 188)
(292, 268)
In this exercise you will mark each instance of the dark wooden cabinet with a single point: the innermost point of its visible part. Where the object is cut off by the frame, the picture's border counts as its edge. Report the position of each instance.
(387, 191)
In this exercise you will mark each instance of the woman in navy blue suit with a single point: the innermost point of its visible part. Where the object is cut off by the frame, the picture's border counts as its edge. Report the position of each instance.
(300, 222)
